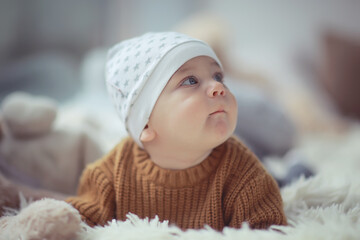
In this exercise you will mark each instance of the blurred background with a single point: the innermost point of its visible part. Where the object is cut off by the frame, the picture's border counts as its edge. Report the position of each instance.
(304, 54)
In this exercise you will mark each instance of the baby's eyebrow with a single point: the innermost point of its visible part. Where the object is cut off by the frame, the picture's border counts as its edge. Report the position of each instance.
(216, 63)
(185, 69)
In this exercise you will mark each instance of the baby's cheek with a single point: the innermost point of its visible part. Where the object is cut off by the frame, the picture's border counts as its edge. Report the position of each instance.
(232, 110)
(233, 104)
(190, 106)
(188, 117)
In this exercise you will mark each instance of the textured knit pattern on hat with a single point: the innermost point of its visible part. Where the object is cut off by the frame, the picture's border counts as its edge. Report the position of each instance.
(130, 64)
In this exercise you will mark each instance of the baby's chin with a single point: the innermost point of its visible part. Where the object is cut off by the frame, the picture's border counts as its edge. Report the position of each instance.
(221, 130)
(220, 138)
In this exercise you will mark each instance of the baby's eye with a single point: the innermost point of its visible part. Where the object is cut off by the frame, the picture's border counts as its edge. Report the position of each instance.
(219, 77)
(189, 81)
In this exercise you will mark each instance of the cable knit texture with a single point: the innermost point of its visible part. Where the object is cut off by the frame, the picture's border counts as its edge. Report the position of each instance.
(226, 189)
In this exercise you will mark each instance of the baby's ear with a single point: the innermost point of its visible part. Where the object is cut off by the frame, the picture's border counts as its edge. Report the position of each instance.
(148, 134)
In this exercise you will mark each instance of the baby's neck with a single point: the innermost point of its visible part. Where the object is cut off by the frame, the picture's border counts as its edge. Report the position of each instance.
(177, 159)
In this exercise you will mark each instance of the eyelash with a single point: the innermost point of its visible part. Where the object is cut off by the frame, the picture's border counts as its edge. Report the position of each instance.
(216, 75)
(183, 83)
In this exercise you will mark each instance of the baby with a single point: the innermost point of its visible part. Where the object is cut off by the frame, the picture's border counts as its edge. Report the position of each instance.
(181, 161)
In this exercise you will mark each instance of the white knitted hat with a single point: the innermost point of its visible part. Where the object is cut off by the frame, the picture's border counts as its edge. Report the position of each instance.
(138, 69)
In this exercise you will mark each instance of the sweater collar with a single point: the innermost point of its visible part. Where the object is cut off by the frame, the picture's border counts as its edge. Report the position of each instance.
(177, 178)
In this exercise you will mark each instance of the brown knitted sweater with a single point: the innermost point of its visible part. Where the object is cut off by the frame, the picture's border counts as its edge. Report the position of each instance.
(226, 189)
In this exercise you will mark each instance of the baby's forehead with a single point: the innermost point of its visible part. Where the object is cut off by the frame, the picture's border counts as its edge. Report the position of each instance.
(197, 62)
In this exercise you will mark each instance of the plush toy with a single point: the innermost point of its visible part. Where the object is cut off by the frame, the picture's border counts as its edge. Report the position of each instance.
(35, 152)
(43, 219)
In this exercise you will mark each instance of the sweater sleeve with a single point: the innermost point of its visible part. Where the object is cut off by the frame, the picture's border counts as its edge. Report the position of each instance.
(96, 198)
(259, 204)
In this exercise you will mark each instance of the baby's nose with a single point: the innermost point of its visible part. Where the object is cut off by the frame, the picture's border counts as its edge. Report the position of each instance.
(216, 89)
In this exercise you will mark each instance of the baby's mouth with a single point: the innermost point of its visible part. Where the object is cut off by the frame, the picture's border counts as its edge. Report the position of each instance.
(218, 112)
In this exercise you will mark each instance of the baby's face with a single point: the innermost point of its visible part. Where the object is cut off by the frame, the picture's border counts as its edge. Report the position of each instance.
(195, 108)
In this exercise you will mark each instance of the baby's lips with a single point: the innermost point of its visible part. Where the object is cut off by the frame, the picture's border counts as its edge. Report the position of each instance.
(218, 111)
